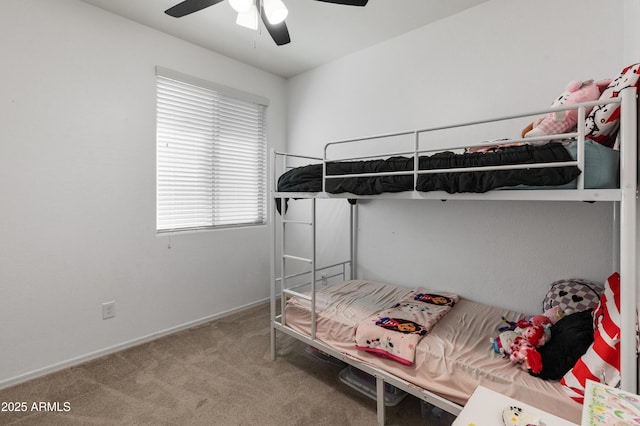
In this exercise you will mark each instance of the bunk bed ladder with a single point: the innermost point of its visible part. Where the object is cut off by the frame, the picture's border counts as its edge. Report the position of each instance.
(287, 291)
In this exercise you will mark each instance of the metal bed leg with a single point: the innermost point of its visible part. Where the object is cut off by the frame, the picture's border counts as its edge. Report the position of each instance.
(273, 343)
(380, 400)
(353, 237)
(273, 221)
(272, 286)
(272, 261)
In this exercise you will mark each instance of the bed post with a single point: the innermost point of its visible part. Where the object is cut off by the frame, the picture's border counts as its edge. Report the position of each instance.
(353, 239)
(380, 408)
(314, 321)
(271, 220)
(628, 239)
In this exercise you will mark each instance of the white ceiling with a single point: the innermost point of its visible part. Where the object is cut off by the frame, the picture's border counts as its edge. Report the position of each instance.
(320, 32)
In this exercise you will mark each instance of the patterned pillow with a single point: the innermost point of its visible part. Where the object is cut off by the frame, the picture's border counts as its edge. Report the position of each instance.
(573, 295)
(603, 121)
(601, 362)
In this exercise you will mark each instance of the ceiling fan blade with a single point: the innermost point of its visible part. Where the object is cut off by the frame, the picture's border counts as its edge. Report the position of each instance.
(348, 2)
(279, 32)
(189, 6)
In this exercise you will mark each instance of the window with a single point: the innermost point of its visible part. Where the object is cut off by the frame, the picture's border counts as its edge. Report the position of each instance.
(211, 155)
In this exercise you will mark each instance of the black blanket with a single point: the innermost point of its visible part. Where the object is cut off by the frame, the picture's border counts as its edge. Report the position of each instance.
(309, 178)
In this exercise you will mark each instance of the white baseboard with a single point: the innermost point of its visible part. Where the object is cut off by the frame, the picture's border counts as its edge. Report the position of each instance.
(119, 347)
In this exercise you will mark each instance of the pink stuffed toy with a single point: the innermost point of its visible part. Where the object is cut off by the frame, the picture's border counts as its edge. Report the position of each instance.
(553, 314)
(564, 121)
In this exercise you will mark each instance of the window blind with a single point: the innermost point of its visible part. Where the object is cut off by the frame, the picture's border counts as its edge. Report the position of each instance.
(211, 155)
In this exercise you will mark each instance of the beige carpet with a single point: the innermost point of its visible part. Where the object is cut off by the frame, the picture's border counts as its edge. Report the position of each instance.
(219, 373)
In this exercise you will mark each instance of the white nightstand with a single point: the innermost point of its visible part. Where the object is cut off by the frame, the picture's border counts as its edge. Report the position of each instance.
(485, 407)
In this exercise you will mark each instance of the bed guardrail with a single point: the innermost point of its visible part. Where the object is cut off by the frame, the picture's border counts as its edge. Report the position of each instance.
(578, 135)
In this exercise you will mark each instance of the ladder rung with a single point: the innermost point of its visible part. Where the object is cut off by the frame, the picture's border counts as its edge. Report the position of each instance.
(297, 294)
(297, 222)
(302, 259)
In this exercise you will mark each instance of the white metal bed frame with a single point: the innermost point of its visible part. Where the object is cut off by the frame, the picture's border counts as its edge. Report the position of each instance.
(624, 245)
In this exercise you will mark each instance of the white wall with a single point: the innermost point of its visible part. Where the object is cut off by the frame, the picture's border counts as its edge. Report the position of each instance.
(631, 31)
(501, 57)
(77, 183)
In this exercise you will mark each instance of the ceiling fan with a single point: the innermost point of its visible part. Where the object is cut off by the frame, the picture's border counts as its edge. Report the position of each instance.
(272, 13)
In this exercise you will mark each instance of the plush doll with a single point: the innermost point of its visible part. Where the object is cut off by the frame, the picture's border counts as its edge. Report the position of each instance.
(526, 355)
(559, 101)
(520, 340)
(512, 329)
(537, 335)
(603, 121)
(565, 121)
(502, 344)
(534, 335)
(524, 349)
(550, 316)
(554, 314)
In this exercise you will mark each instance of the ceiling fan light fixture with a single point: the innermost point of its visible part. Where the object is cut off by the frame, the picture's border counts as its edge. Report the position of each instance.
(241, 6)
(275, 10)
(248, 19)
(253, 12)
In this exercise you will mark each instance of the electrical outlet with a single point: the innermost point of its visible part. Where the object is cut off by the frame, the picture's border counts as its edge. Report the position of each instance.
(323, 279)
(108, 310)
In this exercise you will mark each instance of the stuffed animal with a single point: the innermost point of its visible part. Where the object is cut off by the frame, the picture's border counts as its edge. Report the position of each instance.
(502, 343)
(565, 121)
(537, 335)
(508, 332)
(602, 124)
(526, 355)
(559, 101)
(534, 335)
(524, 349)
(521, 339)
(553, 314)
(550, 316)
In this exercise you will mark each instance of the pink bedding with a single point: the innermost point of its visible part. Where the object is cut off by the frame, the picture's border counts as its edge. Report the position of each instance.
(451, 360)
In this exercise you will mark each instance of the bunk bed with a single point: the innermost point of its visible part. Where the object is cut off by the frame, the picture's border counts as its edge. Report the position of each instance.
(558, 167)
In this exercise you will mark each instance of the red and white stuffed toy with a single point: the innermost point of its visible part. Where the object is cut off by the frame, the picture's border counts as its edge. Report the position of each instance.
(524, 349)
(521, 342)
(526, 355)
(604, 120)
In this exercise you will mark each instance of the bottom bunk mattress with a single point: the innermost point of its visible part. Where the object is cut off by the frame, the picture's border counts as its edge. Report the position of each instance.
(451, 360)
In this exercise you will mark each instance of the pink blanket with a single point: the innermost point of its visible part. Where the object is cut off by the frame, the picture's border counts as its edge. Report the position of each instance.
(394, 333)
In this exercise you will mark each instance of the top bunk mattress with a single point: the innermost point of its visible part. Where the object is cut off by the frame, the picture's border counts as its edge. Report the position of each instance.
(451, 361)
(600, 171)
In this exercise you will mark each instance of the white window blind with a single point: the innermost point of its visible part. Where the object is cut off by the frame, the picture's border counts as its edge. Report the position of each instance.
(211, 155)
